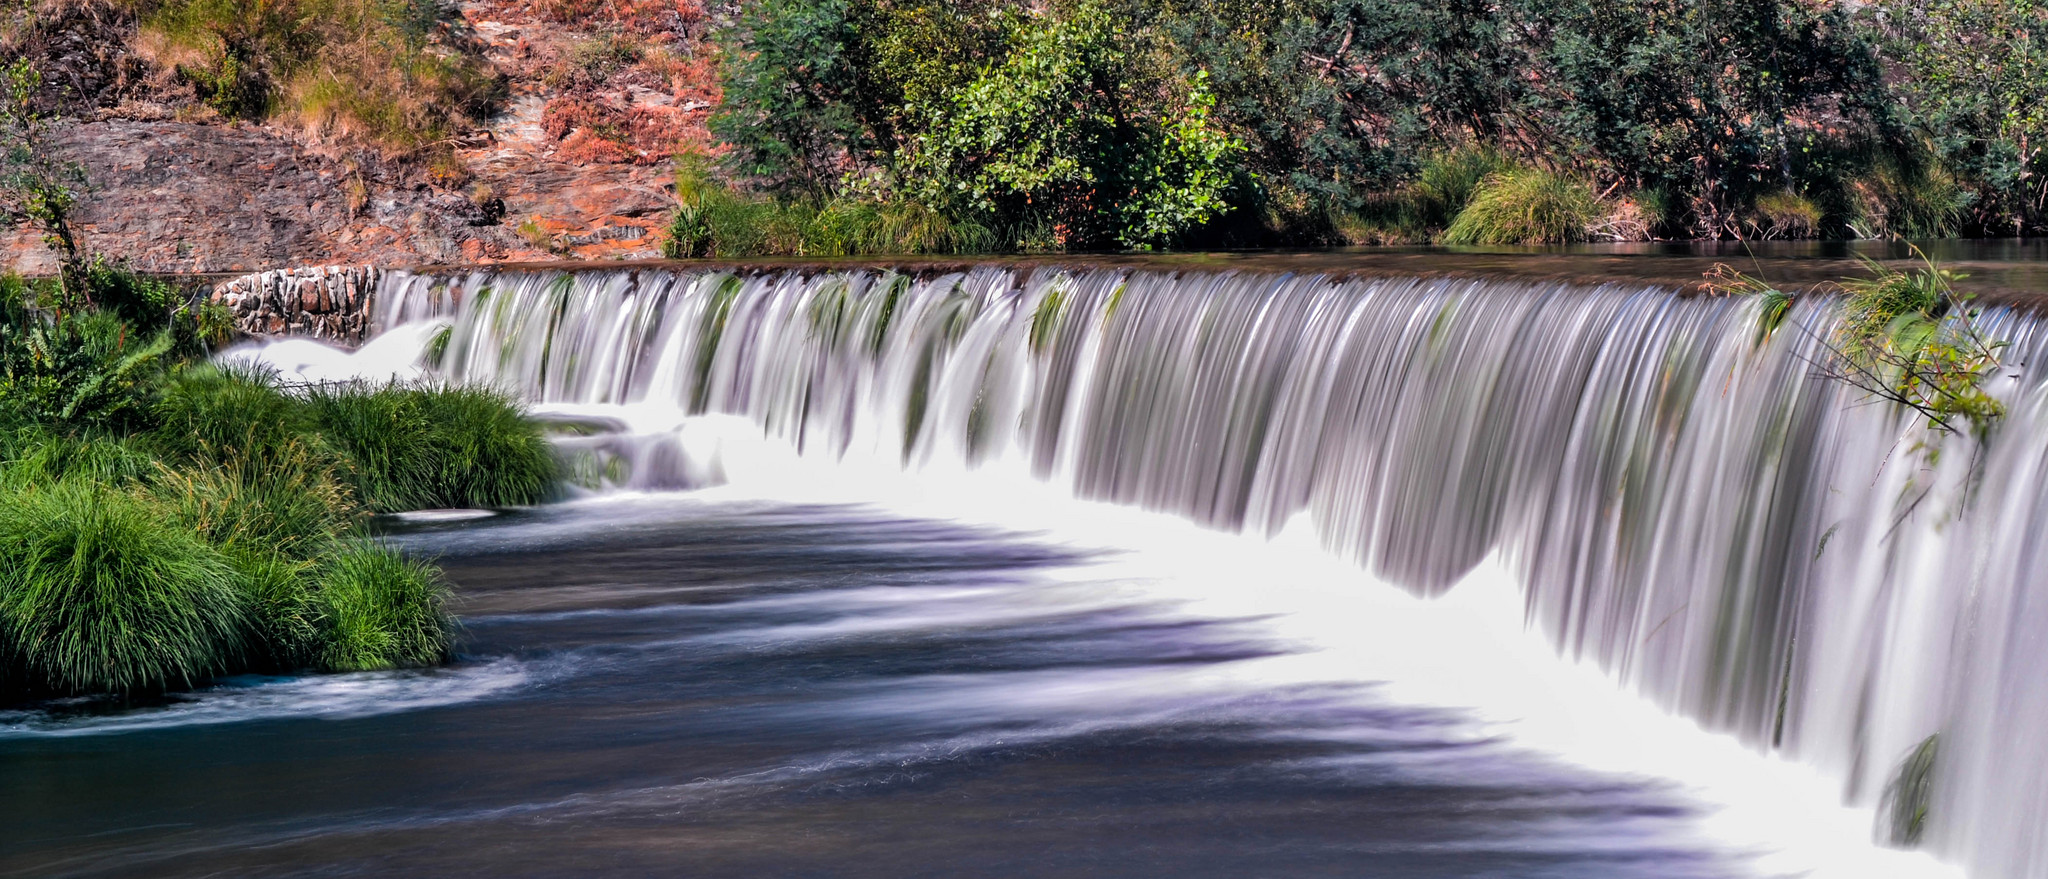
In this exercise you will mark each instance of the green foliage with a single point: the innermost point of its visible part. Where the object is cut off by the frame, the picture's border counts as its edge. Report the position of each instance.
(1050, 136)
(295, 505)
(1910, 338)
(1784, 214)
(221, 415)
(35, 185)
(1056, 127)
(789, 92)
(1905, 337)
(414, 448)
(284, 610)
(163, 522)
(97, 596)
(33, 455)
(712, 220)
(380, 611)
(1526, 206)
(77, 368)
(100, 362)
(1449, 180)
(1976, 86)
(1909, 198)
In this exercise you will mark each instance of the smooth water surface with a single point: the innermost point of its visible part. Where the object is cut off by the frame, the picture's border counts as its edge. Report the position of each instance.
(677, 686)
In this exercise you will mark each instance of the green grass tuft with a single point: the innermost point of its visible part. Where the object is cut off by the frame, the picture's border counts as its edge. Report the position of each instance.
(283, 610)
(381, 611)
(37, 456)
(98, 596)
(1527, 206)
(418, 448)
(221, 415)
(1449, 180)
(713, 220)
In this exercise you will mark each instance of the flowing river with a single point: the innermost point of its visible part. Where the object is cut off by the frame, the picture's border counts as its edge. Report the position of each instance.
(1116, 570)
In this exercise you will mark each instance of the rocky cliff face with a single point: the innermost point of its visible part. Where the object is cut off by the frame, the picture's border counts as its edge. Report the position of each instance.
(184, 197)
(574, 165)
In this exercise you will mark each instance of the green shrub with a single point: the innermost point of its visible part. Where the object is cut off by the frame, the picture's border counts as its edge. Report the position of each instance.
(414, 448)
(222, 414)
(1527, 206)
(380, 611)
(84, 369)
(486, 452)
(228, 414)
(1908, 200)
(713, 220)
(99, 593)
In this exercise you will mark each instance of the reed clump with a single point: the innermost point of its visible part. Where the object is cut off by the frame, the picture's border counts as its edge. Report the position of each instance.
(381, 610)
(1906, 337)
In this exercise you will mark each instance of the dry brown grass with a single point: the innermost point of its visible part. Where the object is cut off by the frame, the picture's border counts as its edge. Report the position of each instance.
(403, 75)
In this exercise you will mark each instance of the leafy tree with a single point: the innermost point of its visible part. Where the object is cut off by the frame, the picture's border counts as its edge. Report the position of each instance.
(1715, 101)
(790, 92)
(1066, 137)
(1060, 125)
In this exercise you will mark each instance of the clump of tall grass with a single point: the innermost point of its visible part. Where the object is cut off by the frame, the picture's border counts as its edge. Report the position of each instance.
(222, 414)
(33, 455)
(1526, 206)
(1908, 338)
(285, 615)
(380, 611)
(1784, 214)
(164, 522)
(297, 505)
(1907, 199)
(98, 596)
(1448, 181)
(414, 448)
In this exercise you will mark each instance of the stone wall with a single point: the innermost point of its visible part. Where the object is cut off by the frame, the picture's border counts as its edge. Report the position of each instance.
(321, 302)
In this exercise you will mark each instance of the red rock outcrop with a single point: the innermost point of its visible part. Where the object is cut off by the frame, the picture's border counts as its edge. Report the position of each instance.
(574, 165)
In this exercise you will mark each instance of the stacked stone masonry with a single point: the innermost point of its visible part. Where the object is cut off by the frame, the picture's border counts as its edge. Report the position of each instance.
(323, 302)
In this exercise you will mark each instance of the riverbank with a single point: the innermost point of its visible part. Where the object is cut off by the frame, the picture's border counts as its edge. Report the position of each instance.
(166, 519)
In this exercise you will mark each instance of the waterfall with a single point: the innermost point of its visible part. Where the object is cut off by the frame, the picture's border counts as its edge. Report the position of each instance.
(1685, 501)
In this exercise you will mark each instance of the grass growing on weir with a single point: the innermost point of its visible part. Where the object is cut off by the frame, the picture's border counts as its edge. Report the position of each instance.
(164, 521)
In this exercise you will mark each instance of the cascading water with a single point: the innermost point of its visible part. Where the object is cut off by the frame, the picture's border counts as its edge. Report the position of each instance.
(1685, 502)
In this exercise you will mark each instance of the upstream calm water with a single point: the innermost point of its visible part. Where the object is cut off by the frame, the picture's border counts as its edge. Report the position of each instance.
(669, 686)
